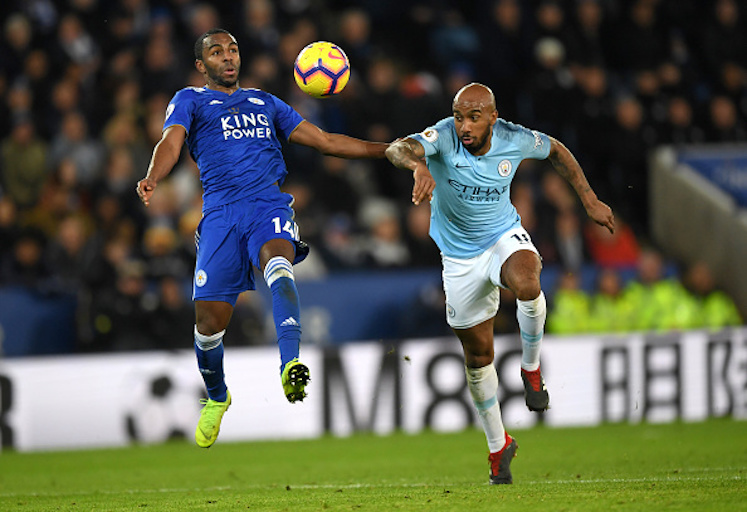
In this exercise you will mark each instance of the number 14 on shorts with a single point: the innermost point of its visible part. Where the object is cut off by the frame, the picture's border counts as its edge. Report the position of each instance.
(289, 227)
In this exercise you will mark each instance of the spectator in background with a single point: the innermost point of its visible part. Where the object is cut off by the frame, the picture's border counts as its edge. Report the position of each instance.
(122, 314)
(116, 180)
(453, 40)
(639, 41)
(551, 22)
(550, 86)
(26, 265)
(723, 38)
(355, 37)
(647, 86)
(59, 198)
(628, 166)
(733, 85)
(260, 28)
(170, 320)
(591, 118)
(162, 256)
(608, 310)
(23, 164)
(680, 128)
(16, 44)
(37, 79)
(383, 244)
(659, 301)
(559, 232)
(20, 103)
(122, 132)
(507, 34)
(423, 253)
(73, 142)
(65, 99)
(160, 72)
(333, 187)
(250, 322)
(724, 124)
(569, 239)
(569, 312)
(586, 43)
(69, 255)
(711, 307)
(76, 46)
(618, 250)
(263, 73)
(341, 246)
(424, 316)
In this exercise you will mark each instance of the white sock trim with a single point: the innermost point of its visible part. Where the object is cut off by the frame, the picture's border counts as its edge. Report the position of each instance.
(204, 342)
(534, 307)
(276, 268)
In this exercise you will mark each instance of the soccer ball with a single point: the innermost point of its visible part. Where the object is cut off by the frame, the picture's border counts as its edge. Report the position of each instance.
(321, 69)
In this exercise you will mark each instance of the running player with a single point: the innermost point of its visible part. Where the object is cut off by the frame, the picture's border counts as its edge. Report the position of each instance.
(473, 157)
(234, 136)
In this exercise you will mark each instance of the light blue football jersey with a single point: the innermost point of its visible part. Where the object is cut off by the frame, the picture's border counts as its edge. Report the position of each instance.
(471, 206)
(234, 139)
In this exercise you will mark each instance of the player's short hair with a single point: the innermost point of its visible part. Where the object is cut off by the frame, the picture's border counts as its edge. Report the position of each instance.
(201, 40)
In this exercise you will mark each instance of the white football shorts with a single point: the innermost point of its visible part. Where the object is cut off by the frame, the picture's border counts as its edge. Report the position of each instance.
(472, 286)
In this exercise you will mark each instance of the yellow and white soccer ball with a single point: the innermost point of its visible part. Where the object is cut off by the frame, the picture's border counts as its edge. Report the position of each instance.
(321, 69)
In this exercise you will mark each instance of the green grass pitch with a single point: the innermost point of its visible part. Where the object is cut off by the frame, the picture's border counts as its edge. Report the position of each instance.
(681, 466)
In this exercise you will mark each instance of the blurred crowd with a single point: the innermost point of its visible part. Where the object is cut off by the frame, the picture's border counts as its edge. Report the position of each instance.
(84, 85)
(651, 300)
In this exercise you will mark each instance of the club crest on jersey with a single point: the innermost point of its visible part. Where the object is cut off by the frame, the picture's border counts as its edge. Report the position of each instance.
(200, 278)
(169, 110)
(430, 135)
(256, 101)
(504, 167)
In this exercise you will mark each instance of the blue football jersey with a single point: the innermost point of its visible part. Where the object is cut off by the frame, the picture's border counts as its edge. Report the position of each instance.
(471, 206)
(234, 139)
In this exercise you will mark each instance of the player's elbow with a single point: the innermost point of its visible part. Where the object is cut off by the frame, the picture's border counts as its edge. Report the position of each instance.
(326, 145)
(395, 150)
(557, 148)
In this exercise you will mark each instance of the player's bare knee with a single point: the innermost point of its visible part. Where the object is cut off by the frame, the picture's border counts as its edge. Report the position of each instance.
(529, 289)
(210, 319)
(477, 361)
(478, 356)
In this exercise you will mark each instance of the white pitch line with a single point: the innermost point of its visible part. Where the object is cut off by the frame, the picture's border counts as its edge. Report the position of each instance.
(667, 479)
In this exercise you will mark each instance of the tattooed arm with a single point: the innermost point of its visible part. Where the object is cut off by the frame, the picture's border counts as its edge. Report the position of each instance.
(565, 163)
(409, 154)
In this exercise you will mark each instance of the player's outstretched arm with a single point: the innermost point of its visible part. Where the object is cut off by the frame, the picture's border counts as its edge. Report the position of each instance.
(165, 156)
(335, 144)
(566, 164)
(408, 154)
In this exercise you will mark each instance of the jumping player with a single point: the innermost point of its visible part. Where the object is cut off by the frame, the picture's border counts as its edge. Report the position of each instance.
(233, 135)
(473, 157)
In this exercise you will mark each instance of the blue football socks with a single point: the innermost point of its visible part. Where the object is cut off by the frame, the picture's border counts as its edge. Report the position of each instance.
(285, 308)
(209, 350)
